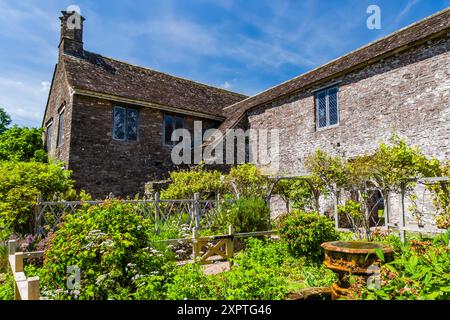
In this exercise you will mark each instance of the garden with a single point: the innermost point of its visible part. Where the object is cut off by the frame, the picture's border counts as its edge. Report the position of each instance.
(113, 249)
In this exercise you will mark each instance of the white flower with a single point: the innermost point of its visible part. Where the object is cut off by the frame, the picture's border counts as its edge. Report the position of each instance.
(101, 278)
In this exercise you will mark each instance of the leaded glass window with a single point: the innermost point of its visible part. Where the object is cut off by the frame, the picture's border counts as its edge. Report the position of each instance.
(132, 124)
(327, 107)
(171, 123)
(125, 124)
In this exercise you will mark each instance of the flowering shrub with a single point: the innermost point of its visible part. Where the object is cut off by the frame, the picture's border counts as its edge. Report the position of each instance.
(111, 246)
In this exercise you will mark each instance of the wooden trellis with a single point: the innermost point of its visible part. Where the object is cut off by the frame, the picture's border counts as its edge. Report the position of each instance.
(192, 212)
(401, 226)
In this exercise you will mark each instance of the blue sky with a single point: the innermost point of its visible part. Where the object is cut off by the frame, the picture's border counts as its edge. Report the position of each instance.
(245, 46)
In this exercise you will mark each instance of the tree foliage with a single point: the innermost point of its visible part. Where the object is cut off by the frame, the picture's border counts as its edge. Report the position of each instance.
(20, 185)
(5, 120)
(327, 171)
(247, 181)
(441, 197)
(244, 180)
(22, 144)
(296, 191)
(392, 167)
(185, 183)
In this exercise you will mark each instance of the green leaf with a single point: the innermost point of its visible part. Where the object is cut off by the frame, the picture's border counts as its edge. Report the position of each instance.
(413, 261)
(433, 295)
(380, 254)
(427, 279)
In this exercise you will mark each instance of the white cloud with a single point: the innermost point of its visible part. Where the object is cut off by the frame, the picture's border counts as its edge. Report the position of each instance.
(45, 86)
(29, 36)
(24, 101)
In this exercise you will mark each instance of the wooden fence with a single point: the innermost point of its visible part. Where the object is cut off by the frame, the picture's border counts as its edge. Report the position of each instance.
(24, 288)
(193, 212)
(219, 247)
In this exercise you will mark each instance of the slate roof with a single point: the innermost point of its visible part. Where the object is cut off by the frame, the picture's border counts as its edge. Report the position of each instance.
(96, 73)
(438, 23)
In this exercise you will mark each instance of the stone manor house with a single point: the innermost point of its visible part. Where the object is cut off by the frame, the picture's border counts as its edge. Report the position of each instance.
(110, 121)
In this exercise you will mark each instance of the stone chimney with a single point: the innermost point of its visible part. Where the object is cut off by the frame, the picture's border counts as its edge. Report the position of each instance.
(71, 41)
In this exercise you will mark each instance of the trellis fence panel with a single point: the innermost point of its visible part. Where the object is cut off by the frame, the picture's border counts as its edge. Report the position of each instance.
(192, 212)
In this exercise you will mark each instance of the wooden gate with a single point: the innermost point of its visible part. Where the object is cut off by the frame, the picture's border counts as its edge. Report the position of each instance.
(223, 248)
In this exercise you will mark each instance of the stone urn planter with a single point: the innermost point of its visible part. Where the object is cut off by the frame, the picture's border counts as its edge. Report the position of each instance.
(357, 258)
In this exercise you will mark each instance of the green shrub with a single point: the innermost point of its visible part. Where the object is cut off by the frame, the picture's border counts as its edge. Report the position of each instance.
(258, 272)
(257, 283)
(420, 271)
(20, 185)
(296, 272)
(6, 286)
(185, 183)
(22, 144)
(247, 181)
(267, 253)
(189, 282)
(245, 215)
(305, 232)
(111, 246)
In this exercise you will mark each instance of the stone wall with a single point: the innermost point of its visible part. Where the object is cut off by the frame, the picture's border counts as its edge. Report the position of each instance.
(408, 94)
(101, 164)
(59, 97)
